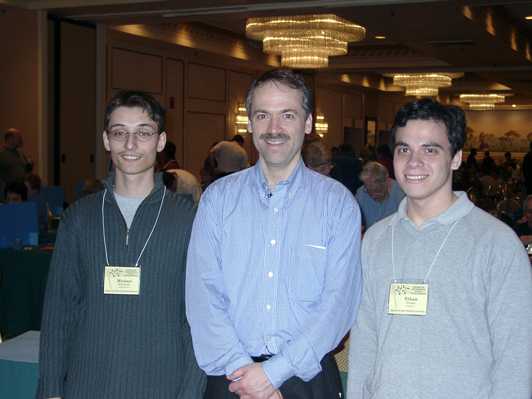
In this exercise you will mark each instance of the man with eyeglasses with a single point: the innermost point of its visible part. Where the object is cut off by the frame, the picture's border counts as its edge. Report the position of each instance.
(114, 323)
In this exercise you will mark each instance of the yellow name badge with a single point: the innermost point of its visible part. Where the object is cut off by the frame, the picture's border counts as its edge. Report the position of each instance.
(408, 299)
(120, 280)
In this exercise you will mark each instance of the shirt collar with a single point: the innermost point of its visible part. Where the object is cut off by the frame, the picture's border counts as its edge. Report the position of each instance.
(460, 208)
(293, 183)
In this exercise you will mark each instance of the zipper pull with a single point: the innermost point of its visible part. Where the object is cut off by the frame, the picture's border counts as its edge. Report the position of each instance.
(127, 237)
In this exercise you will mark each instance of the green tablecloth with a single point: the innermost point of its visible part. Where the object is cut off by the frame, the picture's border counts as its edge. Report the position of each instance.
(23, 277)
(18, 366)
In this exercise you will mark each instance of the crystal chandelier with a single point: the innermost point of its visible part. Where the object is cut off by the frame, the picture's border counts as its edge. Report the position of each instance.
(304, 41)
(422, 84)
(482, 102)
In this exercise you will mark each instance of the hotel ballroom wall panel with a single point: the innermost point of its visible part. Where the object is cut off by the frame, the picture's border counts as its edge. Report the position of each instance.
(200, 90)
(206, 83)
(238, 88)
(19, 71)
(202, 131)
(137, 71)
(77, 124)
(329, 104)
(174, 105)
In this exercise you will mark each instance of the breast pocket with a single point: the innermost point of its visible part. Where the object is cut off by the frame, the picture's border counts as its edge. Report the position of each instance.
(307, 272)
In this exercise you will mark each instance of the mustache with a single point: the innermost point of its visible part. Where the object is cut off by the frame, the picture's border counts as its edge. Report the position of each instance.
(269, 136)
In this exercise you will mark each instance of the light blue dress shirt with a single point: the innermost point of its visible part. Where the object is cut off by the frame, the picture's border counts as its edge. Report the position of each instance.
(273, 274)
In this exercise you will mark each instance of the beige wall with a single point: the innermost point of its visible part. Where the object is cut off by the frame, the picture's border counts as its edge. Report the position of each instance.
(20, 83)
(200, 90)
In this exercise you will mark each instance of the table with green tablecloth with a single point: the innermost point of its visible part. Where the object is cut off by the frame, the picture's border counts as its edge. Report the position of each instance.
(19, 369)
(23, 275)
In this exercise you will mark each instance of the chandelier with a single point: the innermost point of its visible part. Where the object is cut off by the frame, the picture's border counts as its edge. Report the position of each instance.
(241, 119)
(321, 126)
(482, 102)
(422, 84)
(304, 41)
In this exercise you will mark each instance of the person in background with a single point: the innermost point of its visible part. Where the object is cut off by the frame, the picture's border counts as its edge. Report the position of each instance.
(447, 303)
(379, 196)
(527, 169)
(237, 138)
(166, 158)
(385, 157)
(228, 157)
(346, 167)
(14, 166)
(471, 162)
(524, 228)
(273, 277)
(181, 181)
(34, 184)
(16, 192)
(317, 156)
(114, 323)
(488, 164)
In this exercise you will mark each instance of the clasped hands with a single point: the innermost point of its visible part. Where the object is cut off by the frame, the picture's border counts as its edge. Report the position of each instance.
(252, 383)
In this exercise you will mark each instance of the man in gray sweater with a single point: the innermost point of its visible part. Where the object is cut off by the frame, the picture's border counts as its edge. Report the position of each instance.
(114, 322)
(447, 303)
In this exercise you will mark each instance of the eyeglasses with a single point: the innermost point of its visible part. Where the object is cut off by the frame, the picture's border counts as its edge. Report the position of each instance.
(143, 135)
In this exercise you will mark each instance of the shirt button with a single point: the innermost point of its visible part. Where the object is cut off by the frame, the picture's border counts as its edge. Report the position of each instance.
(273, 242)
(270, 274)
(268, 307)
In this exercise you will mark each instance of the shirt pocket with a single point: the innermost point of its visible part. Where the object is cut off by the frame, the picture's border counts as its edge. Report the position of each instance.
(307, 272)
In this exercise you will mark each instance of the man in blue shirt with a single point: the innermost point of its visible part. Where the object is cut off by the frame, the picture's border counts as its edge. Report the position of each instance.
(379, 196)
(273, 270)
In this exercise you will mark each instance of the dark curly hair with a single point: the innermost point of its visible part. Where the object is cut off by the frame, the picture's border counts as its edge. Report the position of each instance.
(427, 109)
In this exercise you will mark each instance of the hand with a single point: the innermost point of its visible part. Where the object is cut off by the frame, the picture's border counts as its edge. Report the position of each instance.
(252, 383)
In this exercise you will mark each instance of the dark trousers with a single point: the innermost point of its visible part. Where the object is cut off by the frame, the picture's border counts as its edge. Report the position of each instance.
(326, 385)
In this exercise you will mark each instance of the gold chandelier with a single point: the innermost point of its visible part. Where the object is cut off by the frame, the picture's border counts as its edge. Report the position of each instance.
(304, 41)
(422, 84)
(482, 102)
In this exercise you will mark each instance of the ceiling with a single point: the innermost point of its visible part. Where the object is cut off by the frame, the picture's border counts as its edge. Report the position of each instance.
(490, 42)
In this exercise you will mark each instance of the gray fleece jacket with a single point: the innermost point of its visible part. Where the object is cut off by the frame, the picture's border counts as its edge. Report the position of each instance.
(475, 341)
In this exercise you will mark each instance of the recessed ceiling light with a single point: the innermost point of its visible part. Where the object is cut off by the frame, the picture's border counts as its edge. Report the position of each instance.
(380, 37)
(528, 17)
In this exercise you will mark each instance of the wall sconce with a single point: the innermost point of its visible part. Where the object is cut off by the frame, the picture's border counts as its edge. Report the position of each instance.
(241, 120)
(321, 126)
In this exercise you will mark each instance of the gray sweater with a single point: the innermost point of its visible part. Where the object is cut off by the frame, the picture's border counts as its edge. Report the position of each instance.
(475, 341)
(119, 346)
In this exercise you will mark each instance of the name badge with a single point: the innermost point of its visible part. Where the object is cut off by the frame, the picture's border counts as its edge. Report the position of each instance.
(408, 299)
(120, 280)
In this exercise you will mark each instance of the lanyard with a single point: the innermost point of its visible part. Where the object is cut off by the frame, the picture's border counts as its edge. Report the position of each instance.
(435, 257)
(149, 236)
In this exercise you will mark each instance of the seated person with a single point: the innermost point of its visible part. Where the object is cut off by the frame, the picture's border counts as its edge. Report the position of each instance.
(182, 182)
(34, 184)
(524, 229)
(16, 192)
(166, 158)
(379, 196)
(317, 156)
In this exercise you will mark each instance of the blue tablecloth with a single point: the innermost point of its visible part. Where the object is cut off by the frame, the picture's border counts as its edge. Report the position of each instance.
(23, 276)
(19, 366)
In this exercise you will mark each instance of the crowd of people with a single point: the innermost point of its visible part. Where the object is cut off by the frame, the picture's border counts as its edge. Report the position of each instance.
(242, 284)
